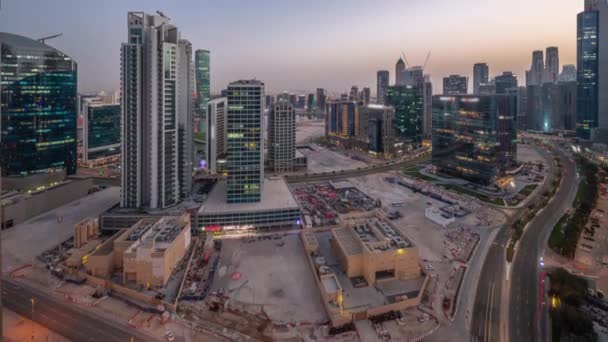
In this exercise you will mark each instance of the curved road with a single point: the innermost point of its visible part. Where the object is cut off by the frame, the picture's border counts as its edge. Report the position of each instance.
(525, 313)
(486, 322)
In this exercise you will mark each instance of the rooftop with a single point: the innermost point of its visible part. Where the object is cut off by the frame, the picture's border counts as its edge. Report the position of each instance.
(275, 195)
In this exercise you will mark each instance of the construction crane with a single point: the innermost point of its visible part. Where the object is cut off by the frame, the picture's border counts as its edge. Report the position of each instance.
(407, 65)
(426, 61)
(43, 40)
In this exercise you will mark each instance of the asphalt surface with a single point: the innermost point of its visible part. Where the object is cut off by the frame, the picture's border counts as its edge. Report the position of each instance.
(63, 317)
(486, 320)
(526, 322)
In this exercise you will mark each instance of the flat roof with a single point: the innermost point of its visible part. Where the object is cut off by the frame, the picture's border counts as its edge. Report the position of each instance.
(275, 195)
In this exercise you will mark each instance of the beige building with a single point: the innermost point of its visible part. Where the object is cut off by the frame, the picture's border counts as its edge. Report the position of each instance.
(146, 254)
(85, 231)
(151, 259)
(364, 268)
(374, 250)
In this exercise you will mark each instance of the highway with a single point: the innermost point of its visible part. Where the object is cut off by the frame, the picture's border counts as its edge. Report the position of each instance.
(64, 318)
(524, 317)
(486, 320)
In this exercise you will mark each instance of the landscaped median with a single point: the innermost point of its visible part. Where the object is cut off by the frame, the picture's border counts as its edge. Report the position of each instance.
(530, 212)
(566, 232)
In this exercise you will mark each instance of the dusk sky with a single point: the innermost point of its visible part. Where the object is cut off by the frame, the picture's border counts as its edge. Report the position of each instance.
(301, 45)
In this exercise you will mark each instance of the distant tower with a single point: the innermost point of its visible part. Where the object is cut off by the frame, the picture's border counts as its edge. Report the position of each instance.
(399, 69)
(245, 141)
(282, 137)
(551, 71)
(481, 73)
(505, 83)
(366, 94)
(455, 85)
(534, 76)
(354, 93)
(185, 119)
(382, 83)
(152, 81)
(321, 99)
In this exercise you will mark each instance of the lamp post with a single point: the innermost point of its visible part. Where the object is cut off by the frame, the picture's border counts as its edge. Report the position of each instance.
(33, 301)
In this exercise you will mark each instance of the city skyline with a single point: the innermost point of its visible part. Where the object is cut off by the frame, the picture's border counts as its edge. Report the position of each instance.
(386, 29)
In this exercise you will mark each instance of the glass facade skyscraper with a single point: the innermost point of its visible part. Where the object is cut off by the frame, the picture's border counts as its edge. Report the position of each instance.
(202, 65)
(409, 112)
(38, 108)
(245, 132)
(587, 106)
(474, 137)
(101, 131)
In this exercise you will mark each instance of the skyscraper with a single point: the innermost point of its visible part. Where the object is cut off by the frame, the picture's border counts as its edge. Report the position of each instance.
(310, 103)
(409, 112)
(245, 133)
(534, 76)
(185, 116)
(455, 85)
(366, 95)
(321, 99)
(481, 74)
(505, 82)
(342, 121)
(354, 93)
(301, 101)
(399, 69)
(202, 65)
(376, 130)
(474, 137)
(101, 131)
(382, 82)
(216, 143)
(39, 106)
(155, 112)
(551, 71)
(427, 103)
(590, 62)
(282, 137)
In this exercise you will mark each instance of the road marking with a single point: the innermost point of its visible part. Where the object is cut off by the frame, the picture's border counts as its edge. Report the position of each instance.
(490, 319)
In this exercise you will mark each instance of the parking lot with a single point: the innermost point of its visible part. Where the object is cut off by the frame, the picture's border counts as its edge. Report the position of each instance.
(321, 159)
(270, 272)
(322, 202)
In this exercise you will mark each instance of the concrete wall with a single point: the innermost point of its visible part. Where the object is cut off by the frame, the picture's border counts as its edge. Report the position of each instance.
(28, 206)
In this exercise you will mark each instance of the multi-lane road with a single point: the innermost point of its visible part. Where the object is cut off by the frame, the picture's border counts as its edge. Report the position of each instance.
(487, 311)
(63, 318)
(527, 321)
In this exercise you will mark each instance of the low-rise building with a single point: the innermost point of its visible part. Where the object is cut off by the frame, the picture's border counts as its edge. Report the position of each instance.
(364, 268)
(277, 208)
(150, 260)
(147, 252)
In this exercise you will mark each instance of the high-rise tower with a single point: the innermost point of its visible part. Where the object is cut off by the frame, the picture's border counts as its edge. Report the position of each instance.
(245, 133)
(39, 105)
(399, 69)
(382, 83)
(592, 70)
(481, 74)
(282, 137)
(154, 104)
(551, 71)
(202, 68)
(534, 76)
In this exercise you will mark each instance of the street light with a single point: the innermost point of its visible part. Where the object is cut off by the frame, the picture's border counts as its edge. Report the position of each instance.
(33, 301)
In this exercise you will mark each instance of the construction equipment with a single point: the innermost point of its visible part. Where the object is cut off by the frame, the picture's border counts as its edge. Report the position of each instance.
(407, 65)
(43, 40)
(426, 61)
